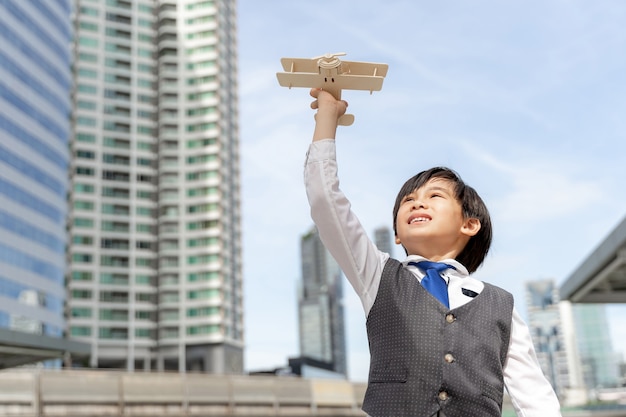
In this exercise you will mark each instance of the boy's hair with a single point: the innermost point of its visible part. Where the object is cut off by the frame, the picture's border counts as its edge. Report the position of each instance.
(472, 206)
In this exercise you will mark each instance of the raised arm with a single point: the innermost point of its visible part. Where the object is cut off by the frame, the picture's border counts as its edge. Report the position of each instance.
(339, 229)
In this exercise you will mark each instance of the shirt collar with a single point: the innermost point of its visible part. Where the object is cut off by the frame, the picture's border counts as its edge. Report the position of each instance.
(460, 270)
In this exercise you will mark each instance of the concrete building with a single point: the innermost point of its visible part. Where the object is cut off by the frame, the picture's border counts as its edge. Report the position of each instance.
(28, 393)
(155, 276)
(320, 309)
(601, 277)
(35, 84)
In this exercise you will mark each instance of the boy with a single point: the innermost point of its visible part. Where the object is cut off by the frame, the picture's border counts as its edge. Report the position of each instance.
(429, 357)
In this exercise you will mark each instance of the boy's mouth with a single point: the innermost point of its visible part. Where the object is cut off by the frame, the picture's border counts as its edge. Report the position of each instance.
(419, 218)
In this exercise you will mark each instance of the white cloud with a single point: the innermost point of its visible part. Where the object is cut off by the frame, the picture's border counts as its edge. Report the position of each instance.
(536, 190)
(540, 194)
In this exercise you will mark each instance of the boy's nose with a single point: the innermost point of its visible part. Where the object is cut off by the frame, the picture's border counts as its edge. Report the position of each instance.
(418, 203)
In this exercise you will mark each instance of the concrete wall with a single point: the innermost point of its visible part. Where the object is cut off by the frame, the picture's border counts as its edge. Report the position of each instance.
(94, 393)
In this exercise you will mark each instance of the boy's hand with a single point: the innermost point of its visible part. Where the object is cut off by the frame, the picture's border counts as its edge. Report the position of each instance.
(329, 110)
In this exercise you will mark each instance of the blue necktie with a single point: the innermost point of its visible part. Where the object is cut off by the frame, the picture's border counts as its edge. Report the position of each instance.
(432, 281)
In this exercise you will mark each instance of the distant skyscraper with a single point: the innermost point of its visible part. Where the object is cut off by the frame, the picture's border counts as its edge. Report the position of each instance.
(320, 308)
(600, 363)
(552, 333)
(35, 85)
(382, 239)
(155, 258)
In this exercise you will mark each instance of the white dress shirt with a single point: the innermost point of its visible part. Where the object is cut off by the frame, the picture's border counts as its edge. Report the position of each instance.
(362, 263)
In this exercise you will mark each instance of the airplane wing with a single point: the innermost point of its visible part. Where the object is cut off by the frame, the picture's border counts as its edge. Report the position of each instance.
(300, 79)
(364, 68)
(359, 82)
(333, 85)
(300, 65)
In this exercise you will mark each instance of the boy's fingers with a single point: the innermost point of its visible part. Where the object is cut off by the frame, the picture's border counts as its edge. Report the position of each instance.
(314, 104)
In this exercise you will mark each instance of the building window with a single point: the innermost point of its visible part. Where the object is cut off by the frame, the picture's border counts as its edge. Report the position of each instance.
(84, 188)
(108, 333)
(83, 205)
(203, 294)
(82, 240)
(82, 258)
(82, 276)
(202, 242)
(114, 279)
(203, 329)
(88, 42)
(144, 262)
(86, 137)
(203, 276)
(83, 223)
(88, 172)
(113, 315)
(86, 57)
(81, 312)
(84, 154)
(108, 226)
(80, 331)
(81, 294)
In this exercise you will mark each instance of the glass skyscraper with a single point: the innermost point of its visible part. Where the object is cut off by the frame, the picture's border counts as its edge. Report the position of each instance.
(382, 239)
(554, 340)
(600, 363)
(35, 107)
(320, 308)
(155, 276)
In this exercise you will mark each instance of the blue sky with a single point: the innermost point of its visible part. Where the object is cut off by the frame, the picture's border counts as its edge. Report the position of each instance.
(526, 100)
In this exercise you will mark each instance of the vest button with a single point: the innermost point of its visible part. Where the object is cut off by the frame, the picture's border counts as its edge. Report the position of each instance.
(443, 395)
(448, 357)
(450, 318)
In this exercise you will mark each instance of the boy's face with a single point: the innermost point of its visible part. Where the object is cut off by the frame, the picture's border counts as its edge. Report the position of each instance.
(430, 222)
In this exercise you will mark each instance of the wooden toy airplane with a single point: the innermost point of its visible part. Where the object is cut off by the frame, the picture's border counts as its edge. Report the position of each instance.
(331, 74)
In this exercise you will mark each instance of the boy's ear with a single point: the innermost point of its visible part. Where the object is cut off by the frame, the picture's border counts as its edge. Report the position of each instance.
(470, 227)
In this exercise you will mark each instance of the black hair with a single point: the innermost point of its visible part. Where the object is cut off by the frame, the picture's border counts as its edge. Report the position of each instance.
(472, 206)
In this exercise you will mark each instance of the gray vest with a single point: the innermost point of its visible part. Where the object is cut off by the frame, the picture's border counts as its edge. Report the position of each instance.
(426, 358)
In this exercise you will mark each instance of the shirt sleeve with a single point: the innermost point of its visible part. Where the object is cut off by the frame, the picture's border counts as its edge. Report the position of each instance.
(338, 227)
(530, 391)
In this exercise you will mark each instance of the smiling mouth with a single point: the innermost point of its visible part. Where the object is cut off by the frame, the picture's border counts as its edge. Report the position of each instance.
(419, 220)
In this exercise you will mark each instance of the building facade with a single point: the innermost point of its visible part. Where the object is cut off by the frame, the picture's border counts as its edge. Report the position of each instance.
(155, 278)
(35, 107)
(600, 363)
(320, 309)
(554, 340)
(382, 239)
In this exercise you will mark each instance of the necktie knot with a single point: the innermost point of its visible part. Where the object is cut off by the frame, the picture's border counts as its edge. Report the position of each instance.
(439, 267)
(433, 281)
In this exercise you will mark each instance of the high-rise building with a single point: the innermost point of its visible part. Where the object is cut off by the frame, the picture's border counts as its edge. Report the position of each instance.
(35, 85)
(600, 363)
(155, 277)
(382, 239)
(553, 335)
(320, 308)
